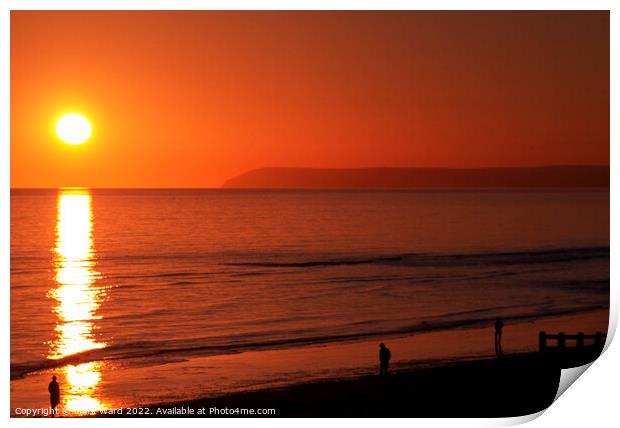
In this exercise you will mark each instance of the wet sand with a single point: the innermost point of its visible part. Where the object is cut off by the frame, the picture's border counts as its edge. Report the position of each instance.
(303, 380)
(452, 384)
(493, 387)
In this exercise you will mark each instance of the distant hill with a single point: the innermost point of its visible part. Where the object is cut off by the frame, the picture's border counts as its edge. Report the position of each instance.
(394, 178)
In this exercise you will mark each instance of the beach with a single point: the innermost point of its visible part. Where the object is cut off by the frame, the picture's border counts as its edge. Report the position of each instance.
(342, 379)
(514, 385)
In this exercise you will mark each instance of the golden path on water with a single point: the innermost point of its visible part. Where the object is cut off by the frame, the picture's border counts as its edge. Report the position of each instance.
(76, 300)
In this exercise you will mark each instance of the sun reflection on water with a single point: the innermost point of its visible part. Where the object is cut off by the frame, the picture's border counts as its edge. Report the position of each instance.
(76, 299)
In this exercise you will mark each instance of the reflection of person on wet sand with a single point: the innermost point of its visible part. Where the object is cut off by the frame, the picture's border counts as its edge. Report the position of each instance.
(384, 359)
(498, 336)
(54, 390)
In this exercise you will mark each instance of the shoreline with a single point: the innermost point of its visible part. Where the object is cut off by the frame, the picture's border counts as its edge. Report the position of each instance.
(18, 372)
(250, 378)
(523, 365)
(510, 385)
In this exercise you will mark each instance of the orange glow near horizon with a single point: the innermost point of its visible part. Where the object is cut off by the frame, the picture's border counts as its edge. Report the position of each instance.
(193, 98)
(77, 299)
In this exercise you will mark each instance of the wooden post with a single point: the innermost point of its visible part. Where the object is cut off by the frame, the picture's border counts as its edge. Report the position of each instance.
(542, 341)
(561, 341)
(579, 340)
(598, 339)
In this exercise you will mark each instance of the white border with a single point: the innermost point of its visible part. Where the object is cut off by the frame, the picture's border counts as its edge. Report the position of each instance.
(591, 402)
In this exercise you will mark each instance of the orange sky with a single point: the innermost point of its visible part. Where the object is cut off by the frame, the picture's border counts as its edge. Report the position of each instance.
(189, 99)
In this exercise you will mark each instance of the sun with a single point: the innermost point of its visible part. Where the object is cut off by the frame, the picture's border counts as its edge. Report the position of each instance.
(73, 128)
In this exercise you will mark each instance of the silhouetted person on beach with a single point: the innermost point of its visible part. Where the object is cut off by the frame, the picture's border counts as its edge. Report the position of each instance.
(384, 359)
(54, 390)
(498, 336)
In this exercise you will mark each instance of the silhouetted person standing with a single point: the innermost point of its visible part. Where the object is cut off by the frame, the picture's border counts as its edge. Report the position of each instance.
(54, 390)
(384, 359)
(499, 325)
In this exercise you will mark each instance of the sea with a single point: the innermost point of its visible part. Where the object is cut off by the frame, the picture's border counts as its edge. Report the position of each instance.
(111, 287)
